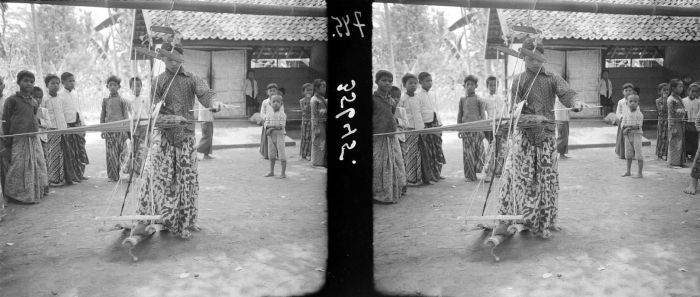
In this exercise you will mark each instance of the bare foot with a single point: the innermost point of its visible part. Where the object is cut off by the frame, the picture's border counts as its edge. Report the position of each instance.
(283, 175)
(555, 228)
(195, 228)
(563, 156)
(208, 157)
(269, 174)
(689, 190)
(140, 229)
(638, 176)
(626, 174)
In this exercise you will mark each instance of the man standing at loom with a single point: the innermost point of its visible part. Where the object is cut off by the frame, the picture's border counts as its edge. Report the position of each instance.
(170, 185)
(530, 180)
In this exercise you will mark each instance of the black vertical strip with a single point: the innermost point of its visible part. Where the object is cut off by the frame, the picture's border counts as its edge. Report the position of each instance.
(350, 263)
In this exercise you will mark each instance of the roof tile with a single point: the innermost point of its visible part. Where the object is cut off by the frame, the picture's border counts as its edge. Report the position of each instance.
(206, 25)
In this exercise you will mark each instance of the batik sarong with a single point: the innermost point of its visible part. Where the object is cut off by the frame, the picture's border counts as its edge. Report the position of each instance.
(26, 177)
(305, 142)
(54, 159)
(318, 144)
(411, 158)
(472, 152)
(115, 143)
(169, 184)
(389, 172)
(530, 183)
(676, 146)
(432, 157)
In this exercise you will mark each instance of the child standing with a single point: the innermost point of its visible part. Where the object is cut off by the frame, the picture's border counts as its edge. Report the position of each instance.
(627, 89)
(676, 125)
(75, 156)
(135, 153)
(275, 123)
(319, 113)
(632, 129)
(54, 159)
(471, 108)
(410, 145)
(114, 108)
(305, 103)
(265, 107)
(26, 177)
(662, 122)
(42, 117)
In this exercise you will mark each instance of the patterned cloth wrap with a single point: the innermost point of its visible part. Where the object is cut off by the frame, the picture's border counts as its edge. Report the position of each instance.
(173, 127)
(537, 134)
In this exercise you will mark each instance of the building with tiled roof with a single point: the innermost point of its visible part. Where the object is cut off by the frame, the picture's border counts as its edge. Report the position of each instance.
(645, 50)
(287, 50)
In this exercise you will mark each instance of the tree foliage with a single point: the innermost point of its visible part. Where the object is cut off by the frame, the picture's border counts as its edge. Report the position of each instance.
(422, 42)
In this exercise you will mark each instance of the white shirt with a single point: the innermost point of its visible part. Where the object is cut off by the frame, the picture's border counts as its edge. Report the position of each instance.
(70, 105)
(605, 87)
(495, 105)
(427, 106)
(266, 107)
(413, 119)
(54, 106)
(139, 106)
(621, 105)
(249, 88)
(692, 107)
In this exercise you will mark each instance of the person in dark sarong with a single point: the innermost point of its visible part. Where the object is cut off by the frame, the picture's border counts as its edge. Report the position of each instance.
(305, 104)
(205, 145)
(75, 156)
(25, 179)
(319, 114)
(56, 120)
(114, 108)
(662, 122)
(169, 185)
(530, 181)
(471, 108)
(676, 125)
(389, 172)
(432, 157)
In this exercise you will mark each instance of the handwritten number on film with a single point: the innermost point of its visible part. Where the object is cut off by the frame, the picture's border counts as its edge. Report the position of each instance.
(344, 22)
(350, 113)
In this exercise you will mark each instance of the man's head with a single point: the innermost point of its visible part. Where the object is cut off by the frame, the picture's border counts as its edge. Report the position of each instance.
(282, 91)
(605, 74)
(176, 51)
(470, 84)
(307, 90)
(68, 80)
(250, 74)
(492, 84)
(384, 80)
(25, 80)
(627, 89)
(38, 94)
(633, 102)
(531, 63)
(425, 80)
(113, 84)
(320, 87)
(135, 85)
(693, 90)
(276, 102)
(272, 89)
(676, 86)
(410, 82)
(637, 90)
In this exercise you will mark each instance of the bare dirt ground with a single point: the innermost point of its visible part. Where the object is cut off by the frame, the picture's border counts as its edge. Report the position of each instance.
(620, 237)
(260, 236)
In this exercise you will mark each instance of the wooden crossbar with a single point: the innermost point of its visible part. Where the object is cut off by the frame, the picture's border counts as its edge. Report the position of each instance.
(130, 218)
(494, 218)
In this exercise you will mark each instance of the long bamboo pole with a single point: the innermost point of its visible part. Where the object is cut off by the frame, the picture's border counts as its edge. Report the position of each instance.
(388, 32)
(39, 60)
(190, 5)
(563, 5)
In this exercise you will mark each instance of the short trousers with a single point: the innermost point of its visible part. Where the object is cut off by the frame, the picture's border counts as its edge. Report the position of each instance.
(275, 146)
(633, 146)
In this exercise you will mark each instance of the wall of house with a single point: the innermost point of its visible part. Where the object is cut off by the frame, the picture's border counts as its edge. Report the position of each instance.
(319, 59)
(683, 60)
(291, 79)
(646, 79)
